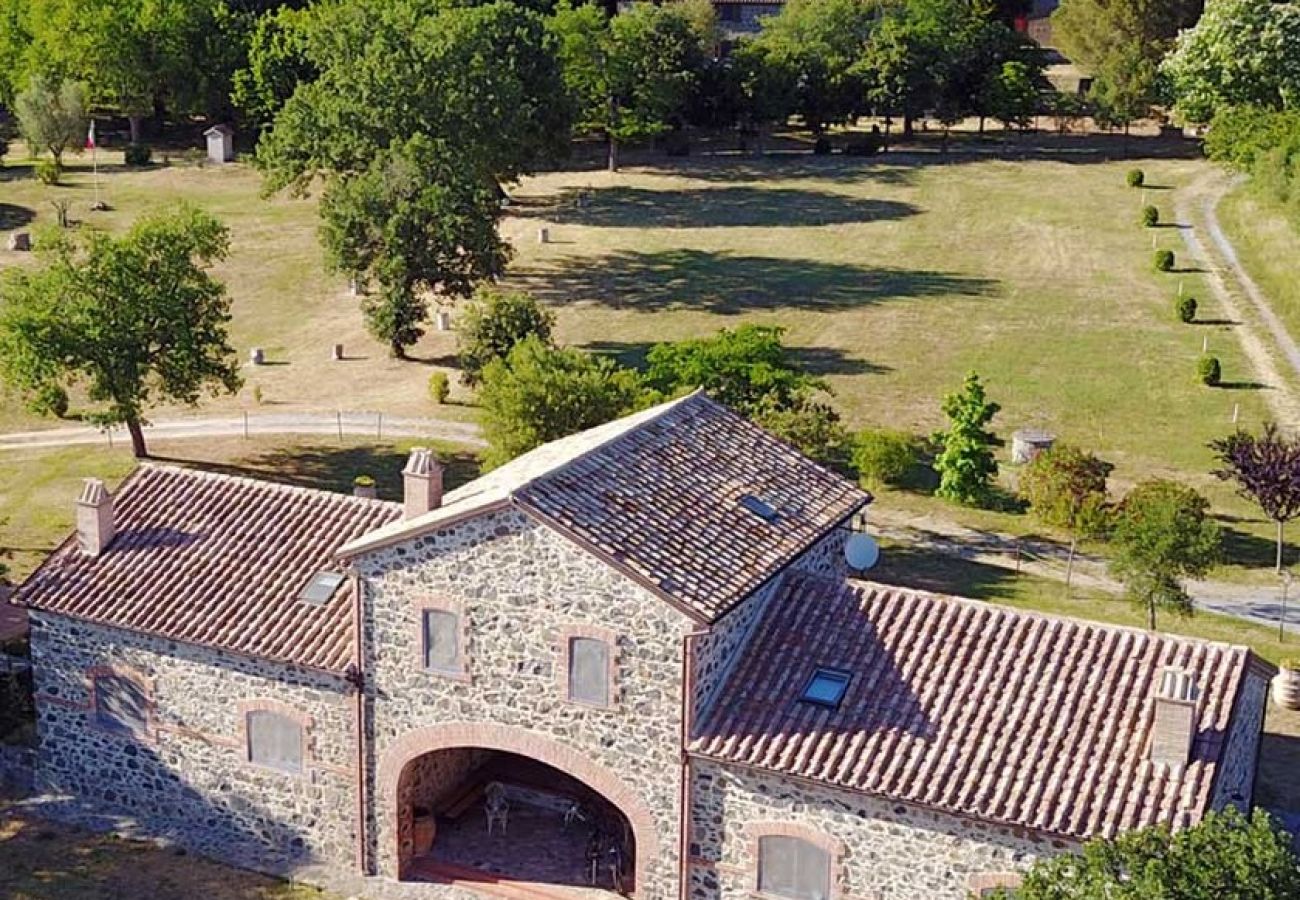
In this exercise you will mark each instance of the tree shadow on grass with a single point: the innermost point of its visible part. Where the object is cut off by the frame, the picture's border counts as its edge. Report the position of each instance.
(1242, 548)
(814, 360)
(14, 216)
(735, 167)
(333, 467)
(925, 569)
(737, 207)
(730, 284)
(1243, 386)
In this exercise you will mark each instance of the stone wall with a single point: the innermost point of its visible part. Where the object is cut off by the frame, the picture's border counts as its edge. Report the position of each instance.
(1235, 780)
(188, 779)
(826, 557)
(521, 587)
(714, 654)
(880, 850)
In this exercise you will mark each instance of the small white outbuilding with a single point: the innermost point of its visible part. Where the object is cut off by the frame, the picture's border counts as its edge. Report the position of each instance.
(221, 144)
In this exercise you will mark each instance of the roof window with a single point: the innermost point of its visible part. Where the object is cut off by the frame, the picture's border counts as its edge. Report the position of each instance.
(827, 687)
(321, 587)
(761, 508)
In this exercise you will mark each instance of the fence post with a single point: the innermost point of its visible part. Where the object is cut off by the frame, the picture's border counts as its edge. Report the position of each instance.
(339, 418)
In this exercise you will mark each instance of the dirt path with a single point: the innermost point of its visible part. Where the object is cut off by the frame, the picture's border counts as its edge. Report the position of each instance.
(367, 424)
(1271, 350)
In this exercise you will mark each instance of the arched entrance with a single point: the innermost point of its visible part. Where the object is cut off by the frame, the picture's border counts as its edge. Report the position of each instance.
(568, 819)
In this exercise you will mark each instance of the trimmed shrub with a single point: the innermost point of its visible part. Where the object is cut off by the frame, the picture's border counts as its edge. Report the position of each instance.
(1150, 216)
(1186, 308)
(1164, 260)
(48, 172)
(51, 400)
(138, 154)
(439, 387)
(881, 456)
(822, 147)
(1136, 178)
(1208, 371)
(363, 481)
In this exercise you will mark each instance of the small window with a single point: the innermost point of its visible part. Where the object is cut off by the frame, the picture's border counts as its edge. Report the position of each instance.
(761, 508)
(274, 741)
(321, 587)
(589, 671)
(441, 640)
(793, 868)
(827, 687)
(121, 705)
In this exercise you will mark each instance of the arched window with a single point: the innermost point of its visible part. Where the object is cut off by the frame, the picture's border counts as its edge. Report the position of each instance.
(122, 704)
(274, 740)
(793, 868)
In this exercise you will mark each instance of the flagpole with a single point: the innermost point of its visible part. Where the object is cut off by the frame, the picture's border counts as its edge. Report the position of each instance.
(94, 161)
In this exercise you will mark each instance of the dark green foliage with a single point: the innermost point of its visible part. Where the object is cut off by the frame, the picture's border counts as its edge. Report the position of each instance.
(1066, 489)
(1265, 144)
(49, 400)
(965, 462)
(48, 172)
(1186, 309)
(1163, 534)
(493, 324)
(277, 63)
(813, 428)
(1225, 856)
(540, 393)
(1164, 260)
(1209, 371)
(1266, 469)
(868, 144)
(1150, 216)
(822, 146)
(136, 319)
(884, 457)
(439, 387)
(1135, 178)
(137, 155)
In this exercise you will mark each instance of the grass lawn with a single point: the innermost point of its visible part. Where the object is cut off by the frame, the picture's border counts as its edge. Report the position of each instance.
(1268, 245)
(37, 489)
(41, 861)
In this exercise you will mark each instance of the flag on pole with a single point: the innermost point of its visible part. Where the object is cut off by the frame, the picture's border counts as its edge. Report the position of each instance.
(90, 137)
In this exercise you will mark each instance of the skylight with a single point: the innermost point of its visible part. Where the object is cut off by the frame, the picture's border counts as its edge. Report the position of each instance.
(761, 508)
(321, 587)
(827, 687)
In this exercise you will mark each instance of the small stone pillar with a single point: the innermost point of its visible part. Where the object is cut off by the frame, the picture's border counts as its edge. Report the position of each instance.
(20, 240)
(443, 318)
(543, 235)
(257, 356)
(337, 353)
(364, 486)
(1027, 443)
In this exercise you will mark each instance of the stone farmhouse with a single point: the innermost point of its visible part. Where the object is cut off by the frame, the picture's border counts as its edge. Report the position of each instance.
(630, 660)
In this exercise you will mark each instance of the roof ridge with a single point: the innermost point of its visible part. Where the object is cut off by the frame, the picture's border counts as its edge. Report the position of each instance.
(858, 585)
(663, 409)
(261, 483)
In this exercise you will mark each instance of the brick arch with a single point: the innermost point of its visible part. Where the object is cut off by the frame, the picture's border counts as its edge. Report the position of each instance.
(521, 741)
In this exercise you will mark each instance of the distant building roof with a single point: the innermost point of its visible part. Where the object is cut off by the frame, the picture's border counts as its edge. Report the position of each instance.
(222, 129)
(217, 560)
(975, 709)
(662, 495)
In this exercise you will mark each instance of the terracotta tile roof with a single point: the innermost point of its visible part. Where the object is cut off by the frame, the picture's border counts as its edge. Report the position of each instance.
(972, 708)
(219, 561)
(664, 501)
(659, 495)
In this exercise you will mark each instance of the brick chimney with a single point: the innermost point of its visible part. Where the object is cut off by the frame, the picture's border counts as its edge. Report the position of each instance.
(421, 483)
(1175, 717)
(95, 526)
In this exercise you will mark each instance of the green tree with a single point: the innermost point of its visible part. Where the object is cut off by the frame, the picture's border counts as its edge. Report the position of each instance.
(492, 325)
(1011, 95)
(1163, 534)
(136, 319)
(965, 461)
(1241, 53)
(748, 369)
(1225, 856)
(277, 62)
(540, 393)
(52, 118)
(811, 51)
(630, 76)
(1066, 489)
(813, 428)
(415, 222)
(1120, 43)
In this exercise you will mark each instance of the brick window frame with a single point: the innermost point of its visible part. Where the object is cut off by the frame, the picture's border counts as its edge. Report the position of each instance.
(834, 848)
(613, 669)
(266, 704)
(980, 882)
(146, 684)
(457, 609)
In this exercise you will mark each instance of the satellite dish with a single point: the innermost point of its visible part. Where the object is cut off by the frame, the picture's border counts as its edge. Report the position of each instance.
(861, 552)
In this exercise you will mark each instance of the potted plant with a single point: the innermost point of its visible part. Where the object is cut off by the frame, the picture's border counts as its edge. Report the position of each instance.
(1286, 686)
(364, 486)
